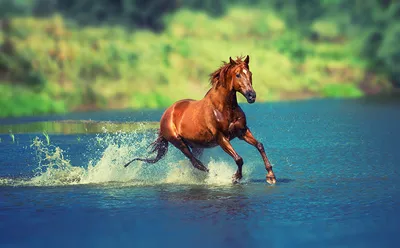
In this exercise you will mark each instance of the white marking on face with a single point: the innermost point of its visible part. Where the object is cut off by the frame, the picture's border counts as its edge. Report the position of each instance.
(245, 71)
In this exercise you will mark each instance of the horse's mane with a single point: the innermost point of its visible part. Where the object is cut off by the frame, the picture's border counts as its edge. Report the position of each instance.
(218, 76)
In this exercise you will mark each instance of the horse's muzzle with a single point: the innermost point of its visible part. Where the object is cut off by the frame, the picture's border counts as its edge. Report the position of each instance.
(250, 96)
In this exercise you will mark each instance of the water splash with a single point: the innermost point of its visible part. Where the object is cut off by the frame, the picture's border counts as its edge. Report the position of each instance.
(54, 169)
(184, 173)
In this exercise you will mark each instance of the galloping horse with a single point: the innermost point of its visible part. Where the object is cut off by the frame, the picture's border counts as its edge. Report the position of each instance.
(216, 119)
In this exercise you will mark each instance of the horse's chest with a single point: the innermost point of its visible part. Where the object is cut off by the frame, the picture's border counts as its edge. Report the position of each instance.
(236, 127)
(230, 124)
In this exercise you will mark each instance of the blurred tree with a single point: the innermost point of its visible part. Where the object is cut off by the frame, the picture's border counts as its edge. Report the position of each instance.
(379, 22)
(132, 13)
(374, 20)
(16, 7)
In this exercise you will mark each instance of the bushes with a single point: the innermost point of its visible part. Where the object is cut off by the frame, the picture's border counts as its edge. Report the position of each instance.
(149, 100)
(389, 52)
(111, 66)
(338, 90)
(380, 37)
(20, 101)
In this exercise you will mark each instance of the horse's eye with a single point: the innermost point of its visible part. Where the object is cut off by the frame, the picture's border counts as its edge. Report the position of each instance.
(238, 75)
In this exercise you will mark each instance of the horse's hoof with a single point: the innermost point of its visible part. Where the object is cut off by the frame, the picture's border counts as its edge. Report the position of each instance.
(271, 180)
(236, 179)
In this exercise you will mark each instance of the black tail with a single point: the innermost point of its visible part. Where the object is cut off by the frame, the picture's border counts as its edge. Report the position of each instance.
(160, 145)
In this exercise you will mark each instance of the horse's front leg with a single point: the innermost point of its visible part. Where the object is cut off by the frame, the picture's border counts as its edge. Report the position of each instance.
(227, 147)
(249, 138)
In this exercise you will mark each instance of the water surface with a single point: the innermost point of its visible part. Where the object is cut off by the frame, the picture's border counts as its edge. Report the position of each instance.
(336, 162)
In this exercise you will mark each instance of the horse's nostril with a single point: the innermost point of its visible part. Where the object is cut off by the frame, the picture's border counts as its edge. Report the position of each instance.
(250, 94)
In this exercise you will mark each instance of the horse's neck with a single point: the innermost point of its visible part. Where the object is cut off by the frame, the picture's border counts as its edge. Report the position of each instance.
(223, 99)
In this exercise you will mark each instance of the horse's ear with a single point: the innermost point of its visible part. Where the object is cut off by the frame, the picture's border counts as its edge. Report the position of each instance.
(247, 59)
(232, 61)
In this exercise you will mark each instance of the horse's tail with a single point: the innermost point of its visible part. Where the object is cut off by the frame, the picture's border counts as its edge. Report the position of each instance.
(160, 145)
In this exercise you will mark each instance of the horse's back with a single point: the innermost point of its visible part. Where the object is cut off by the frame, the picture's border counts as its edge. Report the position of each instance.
(186, 119)
(177, 109)
(173, 115)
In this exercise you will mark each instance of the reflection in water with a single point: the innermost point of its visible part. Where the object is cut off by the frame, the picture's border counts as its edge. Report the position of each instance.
(212, 202)
(77, 127)
(220, 212)
(278, 180)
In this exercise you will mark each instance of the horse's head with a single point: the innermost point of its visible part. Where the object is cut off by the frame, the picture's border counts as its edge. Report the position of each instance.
(242, 78)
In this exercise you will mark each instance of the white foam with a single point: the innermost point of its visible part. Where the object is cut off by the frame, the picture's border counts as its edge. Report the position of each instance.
(54, 170)
(220, 173)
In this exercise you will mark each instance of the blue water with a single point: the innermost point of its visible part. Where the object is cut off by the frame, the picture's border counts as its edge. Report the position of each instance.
(336, 161)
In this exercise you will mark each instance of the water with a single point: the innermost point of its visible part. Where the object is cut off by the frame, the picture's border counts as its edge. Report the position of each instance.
(336, 162)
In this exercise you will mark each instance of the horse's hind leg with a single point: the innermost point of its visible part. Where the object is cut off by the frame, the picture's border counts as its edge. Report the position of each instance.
(197, 152)
(178, 143)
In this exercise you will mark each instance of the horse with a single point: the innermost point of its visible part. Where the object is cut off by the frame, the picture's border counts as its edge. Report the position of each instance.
(194, 125)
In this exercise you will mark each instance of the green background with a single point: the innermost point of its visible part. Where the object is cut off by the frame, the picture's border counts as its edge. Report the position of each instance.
(61, 56)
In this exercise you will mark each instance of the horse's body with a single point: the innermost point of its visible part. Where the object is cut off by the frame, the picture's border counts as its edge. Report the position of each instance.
(215, 120)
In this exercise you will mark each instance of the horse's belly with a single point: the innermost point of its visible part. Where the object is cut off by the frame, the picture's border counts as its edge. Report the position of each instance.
(200, 144)
(196, 137)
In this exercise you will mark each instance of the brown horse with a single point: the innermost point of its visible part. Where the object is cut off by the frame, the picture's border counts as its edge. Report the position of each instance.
(216, 119)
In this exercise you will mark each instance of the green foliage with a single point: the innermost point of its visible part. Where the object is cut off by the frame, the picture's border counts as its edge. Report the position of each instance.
(341, 90)
(21, 101)
(56, 65)
(325, 29)
(389, 51)
(12, 7)
(291, 45)
(380, 32)
(149, 100)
